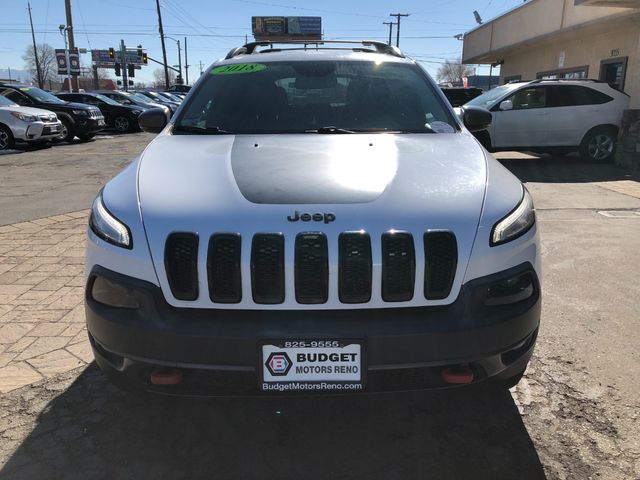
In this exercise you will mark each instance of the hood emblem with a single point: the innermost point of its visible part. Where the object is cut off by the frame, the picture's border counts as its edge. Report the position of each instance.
(307, 217)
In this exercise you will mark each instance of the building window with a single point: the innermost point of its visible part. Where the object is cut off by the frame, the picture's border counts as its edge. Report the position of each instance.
(613, 71)
(574, 72)
(512, 78)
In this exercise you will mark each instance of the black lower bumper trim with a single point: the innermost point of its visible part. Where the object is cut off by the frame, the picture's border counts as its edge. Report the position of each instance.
(214, 342)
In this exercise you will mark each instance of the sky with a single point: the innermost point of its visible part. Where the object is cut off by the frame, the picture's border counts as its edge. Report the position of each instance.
(214, 27)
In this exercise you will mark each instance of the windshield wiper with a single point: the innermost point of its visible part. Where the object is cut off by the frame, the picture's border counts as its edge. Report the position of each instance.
(329, 129)
(199, 130)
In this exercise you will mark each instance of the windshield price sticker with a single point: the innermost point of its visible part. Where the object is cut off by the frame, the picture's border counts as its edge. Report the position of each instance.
(311, 365)
(238, 68)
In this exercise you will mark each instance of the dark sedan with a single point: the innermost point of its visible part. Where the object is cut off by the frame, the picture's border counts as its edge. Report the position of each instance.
(120, 117)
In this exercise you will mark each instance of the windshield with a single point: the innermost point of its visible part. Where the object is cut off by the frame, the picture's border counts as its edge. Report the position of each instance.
(5, 102)
(323, 97)
(108, 100)
(487, 99)
(41, 95)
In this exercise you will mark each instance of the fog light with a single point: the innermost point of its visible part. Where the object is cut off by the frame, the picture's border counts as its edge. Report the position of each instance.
(113, 294)
(513, 290)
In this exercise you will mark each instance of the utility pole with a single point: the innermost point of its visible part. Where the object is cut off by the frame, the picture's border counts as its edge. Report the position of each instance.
(179, 61)
(72, 43)
(124, 66)
(201, 71)
(164, 50)
(398, 16)
(35, 48)
(64, 30)
(390, 29)
(186, 61)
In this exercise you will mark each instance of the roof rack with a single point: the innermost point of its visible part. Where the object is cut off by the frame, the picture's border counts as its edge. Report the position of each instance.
(380, 47)
(539, 80)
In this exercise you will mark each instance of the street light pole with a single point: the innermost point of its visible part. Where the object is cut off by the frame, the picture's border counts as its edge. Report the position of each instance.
(63, 31)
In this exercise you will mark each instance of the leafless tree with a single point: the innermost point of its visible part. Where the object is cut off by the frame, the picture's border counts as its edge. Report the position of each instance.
(158, 78)
(453, 71)
(48, 63)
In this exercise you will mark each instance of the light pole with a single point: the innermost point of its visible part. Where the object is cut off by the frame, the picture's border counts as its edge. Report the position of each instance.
(179, 55)
(64, 30)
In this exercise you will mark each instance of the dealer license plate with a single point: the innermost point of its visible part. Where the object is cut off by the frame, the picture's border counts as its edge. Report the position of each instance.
(311, 365)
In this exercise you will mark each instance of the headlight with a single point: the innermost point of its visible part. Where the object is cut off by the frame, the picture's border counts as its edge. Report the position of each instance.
(81, 113)
(516, 223)
(24, 117)
(108, 227)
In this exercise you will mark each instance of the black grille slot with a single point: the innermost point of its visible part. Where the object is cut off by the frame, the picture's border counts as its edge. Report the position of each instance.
(398, 267)
(441, 260)
(181, 265)
(311, 268)
(223, 268)
(267, 268)
(354, 274)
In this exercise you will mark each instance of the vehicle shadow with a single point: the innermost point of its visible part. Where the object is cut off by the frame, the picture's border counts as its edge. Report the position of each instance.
(569, 169)
(93, 430)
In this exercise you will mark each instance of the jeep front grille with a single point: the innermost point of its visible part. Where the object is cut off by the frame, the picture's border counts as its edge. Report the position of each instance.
(311, 267)
(354, 270)
(441, 260)
(181, 264)
(223, 268)
(267, 268)
(398, 267)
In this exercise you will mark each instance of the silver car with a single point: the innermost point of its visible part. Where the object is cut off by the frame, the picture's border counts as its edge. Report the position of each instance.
(26, 124)
(313, 220)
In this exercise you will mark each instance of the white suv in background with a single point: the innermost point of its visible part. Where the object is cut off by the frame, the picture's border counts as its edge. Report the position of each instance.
(26, 124)
(554, 116)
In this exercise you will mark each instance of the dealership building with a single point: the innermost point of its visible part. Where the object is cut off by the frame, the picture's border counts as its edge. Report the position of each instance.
(598, 39)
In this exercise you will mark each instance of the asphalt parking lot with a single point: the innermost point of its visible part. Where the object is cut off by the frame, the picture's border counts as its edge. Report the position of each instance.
(573, 416)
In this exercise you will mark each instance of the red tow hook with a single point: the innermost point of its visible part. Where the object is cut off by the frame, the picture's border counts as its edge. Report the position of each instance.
(166, 376)
(457, 375)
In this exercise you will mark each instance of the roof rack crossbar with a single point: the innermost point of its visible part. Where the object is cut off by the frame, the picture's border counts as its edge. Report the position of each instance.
(251, 47)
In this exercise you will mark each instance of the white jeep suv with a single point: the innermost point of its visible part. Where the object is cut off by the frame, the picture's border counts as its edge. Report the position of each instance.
(313, 219)
(554, 116)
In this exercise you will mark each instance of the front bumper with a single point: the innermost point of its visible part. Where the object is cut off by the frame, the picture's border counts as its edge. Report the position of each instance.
(37, 131)
(406, 348)
(88, 125)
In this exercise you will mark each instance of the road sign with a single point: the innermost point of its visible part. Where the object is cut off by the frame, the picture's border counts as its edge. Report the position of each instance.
(131, 57)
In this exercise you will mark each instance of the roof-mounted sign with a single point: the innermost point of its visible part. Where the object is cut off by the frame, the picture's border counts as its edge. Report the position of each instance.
(286, 28)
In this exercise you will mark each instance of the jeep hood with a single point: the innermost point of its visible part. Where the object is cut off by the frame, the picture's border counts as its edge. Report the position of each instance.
(252, 183)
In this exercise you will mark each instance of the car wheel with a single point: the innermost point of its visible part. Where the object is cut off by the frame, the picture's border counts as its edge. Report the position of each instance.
(6, 138)
(86, 137)
(122, 124)
(66, 133)
(599, 145)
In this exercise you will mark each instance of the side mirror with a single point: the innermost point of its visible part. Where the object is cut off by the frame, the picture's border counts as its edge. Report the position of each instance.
(506, 105)
(476, 118)
(153, 120)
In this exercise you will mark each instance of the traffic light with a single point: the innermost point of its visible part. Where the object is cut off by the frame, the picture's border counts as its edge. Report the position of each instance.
(112, 54)
(117, 69)
(131, 70)
(145, 58)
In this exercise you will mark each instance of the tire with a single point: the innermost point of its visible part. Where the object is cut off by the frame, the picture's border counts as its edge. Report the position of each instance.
(67, 134)
(122, 124)
(599, 144)
(86, 137)
(6, 138)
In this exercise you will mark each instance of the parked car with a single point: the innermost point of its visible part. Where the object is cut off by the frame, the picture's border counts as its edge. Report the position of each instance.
(554, 116)
(134, 100)
(268, 242)
(122, 118)
(23, 124)
(458, 96)
(179, 88)
(155, 97)
(78, 120)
